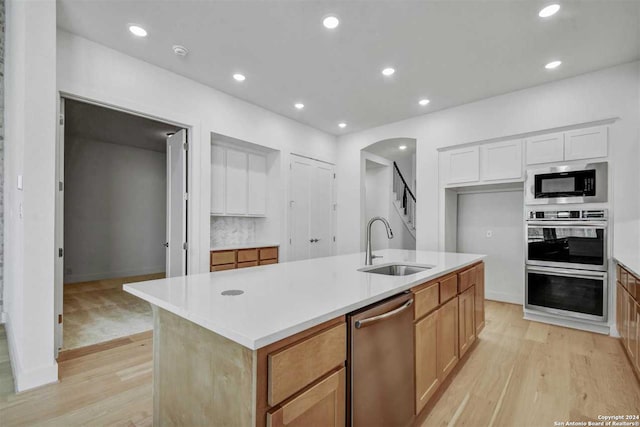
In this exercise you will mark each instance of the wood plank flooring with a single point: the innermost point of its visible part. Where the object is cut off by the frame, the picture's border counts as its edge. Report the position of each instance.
(520, 373)
(100, 311)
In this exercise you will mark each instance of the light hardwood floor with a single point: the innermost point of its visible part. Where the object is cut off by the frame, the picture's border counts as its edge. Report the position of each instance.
(521, 373)
(100, 311)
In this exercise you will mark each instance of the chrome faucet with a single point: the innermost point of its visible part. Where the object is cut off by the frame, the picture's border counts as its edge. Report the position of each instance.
(370, 256)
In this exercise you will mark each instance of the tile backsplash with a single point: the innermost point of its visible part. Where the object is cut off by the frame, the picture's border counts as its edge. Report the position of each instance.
(229, 230)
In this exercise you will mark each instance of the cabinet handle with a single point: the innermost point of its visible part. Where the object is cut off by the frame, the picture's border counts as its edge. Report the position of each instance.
(364, 322)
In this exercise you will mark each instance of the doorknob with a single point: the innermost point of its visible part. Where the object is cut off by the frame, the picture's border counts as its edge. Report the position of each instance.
(165, 244)
(314, 240)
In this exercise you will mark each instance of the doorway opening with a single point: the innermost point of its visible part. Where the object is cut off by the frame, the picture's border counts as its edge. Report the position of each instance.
(388, 189)
(121, 217)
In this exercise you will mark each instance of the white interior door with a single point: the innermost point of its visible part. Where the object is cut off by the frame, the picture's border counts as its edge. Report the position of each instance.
(300, 177)
(311, 209)
(176, 204)
(321, 212)
(59, 235)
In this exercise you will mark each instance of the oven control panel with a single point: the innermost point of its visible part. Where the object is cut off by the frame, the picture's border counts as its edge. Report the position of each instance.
(572, 215)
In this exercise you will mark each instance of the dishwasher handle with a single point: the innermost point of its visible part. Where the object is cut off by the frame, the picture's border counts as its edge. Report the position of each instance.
(375, 319)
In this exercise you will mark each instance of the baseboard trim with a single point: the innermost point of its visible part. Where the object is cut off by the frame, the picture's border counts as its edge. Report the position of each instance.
(26, 380)
(503, 297)
(76, 278)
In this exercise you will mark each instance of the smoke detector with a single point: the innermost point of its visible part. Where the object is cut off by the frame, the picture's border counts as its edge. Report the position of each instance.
(180, 50)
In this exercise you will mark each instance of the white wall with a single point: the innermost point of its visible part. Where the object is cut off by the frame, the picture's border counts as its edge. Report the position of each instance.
(30, 120)
(115, 210)
(89, 70)
(377, 196)
(501, 213)
(607, 93)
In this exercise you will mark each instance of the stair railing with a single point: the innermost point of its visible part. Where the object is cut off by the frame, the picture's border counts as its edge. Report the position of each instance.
(408, 199)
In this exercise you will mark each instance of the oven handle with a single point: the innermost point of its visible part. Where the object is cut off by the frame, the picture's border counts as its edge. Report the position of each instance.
(592, 224)
(568, 273)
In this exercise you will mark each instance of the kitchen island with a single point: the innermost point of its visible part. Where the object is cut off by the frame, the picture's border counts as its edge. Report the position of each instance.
(267, 345)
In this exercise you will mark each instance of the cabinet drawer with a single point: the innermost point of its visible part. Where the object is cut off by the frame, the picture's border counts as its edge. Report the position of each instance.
(245, 255)
(268, 261)
(248, 264)
(300, 364)
(466, 279)
(223, 257)
(448, 288)
(268, 253)
(426, 300)
(321, 405)
(223, 267)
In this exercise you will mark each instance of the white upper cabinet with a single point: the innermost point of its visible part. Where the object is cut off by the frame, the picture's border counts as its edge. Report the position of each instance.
(545, 148)
(217, 179)
(501, 161)
(586, 143)
(462, 165)
(238, 182)
(257, 185)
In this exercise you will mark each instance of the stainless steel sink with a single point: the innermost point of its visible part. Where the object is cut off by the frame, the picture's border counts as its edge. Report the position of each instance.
(395, 269)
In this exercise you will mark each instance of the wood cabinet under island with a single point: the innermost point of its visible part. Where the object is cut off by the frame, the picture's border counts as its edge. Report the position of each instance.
(268, 346)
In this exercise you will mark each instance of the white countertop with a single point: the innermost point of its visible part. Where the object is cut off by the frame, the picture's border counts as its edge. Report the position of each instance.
(630, 262)
(280, 300)
(249, 245)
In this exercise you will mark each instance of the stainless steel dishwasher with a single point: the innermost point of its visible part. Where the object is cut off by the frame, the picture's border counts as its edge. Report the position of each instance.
(380, 352)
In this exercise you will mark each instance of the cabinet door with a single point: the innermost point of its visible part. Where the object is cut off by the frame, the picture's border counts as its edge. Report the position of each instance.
(619, 308)
(466, 319)
(462, 165)
(479, 298)
(217, 179)
(427, 378)
(236, 183)
(630, 312)
(637, 339)
(586, 143)
(501, 161)
(545, 148)
(447, 345)
(321, 405)
(257, 185)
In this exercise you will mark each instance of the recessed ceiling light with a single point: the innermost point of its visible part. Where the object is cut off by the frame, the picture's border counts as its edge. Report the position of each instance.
(403, 147)
(299, 105)
(553, 64)
(137, 30)
(388, 71)
(331, 22)
(423, 102)
(342, 125)
(547, 11)
(239, 77)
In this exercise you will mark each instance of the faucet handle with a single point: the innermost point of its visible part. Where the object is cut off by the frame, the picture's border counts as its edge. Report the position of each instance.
(376, 256)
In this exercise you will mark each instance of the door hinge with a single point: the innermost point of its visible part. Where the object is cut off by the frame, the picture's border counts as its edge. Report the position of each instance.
(60, 252)
(185, 246)
(185, 146)
(186, 196)
(289, 241)
(335, 206)
(60, 186)
(334, 238)
(61, 119)
(334, 176)
(59, 318)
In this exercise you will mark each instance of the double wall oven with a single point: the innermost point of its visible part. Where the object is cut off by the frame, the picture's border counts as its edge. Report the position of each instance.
(566, 263)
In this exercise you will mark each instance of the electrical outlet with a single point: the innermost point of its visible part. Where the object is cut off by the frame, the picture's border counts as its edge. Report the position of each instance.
(489, 234)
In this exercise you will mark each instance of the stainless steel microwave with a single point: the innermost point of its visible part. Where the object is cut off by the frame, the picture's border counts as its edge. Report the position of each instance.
(586, 183)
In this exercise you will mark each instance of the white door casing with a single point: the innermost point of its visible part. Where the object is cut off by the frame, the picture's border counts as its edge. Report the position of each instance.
(176, 259)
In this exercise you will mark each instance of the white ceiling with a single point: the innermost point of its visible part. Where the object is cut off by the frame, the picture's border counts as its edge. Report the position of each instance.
(452, 52)
(93, 122)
